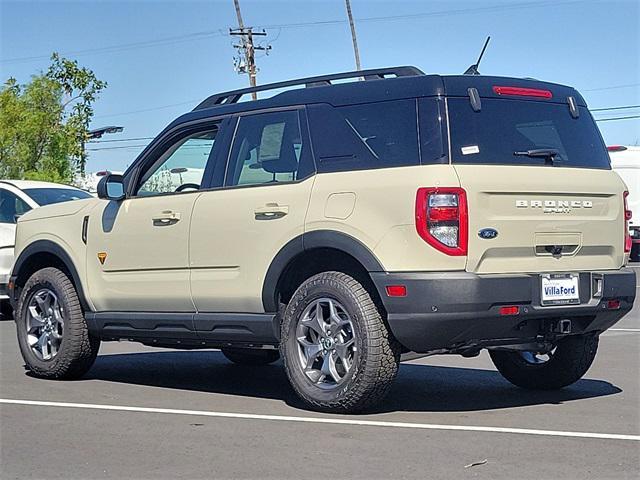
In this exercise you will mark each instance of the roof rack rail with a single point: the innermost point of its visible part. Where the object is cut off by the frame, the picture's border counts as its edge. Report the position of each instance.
(374, 74)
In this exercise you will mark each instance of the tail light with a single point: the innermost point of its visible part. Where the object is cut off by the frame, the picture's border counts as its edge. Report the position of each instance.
(442, 219)
(627, 218)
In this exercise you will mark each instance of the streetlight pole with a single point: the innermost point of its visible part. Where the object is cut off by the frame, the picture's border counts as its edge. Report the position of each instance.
(93, 134)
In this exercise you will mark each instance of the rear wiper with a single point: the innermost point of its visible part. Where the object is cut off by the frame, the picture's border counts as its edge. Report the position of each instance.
(548, 154)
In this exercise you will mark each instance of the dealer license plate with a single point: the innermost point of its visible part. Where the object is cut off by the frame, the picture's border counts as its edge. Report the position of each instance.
(560, 289)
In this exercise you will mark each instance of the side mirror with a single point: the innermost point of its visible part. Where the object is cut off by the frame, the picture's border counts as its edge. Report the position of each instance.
(111, 187)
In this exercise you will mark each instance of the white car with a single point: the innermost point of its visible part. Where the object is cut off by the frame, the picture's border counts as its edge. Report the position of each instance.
(625, 161)
(16, 198)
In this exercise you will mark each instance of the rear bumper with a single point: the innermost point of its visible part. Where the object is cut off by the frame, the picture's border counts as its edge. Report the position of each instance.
(459, 312)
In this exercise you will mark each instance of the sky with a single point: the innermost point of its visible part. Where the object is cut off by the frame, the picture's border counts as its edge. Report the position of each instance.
(161, 58)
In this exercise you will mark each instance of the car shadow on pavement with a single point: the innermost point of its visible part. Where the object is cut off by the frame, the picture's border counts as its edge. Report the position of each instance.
(418, 388)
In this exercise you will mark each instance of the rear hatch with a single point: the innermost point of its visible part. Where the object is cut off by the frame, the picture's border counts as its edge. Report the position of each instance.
(541, 194)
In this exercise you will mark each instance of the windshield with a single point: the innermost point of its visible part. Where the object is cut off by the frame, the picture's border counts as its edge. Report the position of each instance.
(47, 196)
(523, 132)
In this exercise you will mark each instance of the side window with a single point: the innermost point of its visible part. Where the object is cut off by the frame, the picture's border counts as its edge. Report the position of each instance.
(268, 148)
(11, 206)
(180, 168)
(367, 136)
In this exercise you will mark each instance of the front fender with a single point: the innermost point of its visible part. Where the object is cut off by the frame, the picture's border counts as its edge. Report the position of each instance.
(29, 253)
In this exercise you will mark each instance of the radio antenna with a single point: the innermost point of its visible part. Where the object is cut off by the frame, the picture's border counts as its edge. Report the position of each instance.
(473, 69)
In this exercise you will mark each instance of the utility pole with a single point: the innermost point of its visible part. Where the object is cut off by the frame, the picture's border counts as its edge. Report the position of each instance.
(246, 60)
(353, 36)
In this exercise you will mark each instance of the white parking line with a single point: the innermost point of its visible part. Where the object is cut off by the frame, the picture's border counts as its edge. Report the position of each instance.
(325, 420)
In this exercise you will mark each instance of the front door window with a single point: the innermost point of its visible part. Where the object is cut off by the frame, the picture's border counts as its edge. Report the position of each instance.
(180, 168)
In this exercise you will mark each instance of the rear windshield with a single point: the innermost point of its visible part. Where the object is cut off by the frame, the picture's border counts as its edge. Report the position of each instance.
(504, 132)
(46, 196)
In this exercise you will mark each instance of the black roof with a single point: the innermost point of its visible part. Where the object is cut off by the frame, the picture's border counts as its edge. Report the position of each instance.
(379, 85)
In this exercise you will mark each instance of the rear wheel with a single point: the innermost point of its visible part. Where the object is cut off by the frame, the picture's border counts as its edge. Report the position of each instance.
(52, 332)
(338, 353)
(248, 356)
(562, 366)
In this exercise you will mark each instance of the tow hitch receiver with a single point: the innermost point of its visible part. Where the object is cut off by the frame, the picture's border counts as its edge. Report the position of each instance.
(563, 326)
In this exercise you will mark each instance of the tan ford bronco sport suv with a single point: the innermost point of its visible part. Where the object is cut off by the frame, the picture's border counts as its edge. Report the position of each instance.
(339, 226)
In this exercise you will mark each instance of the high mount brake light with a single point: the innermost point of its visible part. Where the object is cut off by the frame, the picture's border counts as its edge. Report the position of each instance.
(616, 148)
(628, 242)
(523, 92)
(442, 219)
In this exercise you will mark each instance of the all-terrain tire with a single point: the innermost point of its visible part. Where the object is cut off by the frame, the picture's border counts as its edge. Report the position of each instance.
(250, 356)
(78, 349)
(378, 353)
(570, 361)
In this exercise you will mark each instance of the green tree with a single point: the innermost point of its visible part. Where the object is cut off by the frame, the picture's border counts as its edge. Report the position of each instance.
(44, 123)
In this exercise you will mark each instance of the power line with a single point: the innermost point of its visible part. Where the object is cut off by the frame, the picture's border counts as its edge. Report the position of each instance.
(196, 36)
(116, 147)
(617, 118)
(441, 13)
(614, 108)
(190, 102)
(121, 140)
(611, 87)
(125, 46)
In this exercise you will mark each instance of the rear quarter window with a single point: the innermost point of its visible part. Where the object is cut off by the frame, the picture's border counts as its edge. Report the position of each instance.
(367, 136)
(503, 127)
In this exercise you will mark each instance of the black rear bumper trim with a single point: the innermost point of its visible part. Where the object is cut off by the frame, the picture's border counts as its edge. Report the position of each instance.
(448, 310)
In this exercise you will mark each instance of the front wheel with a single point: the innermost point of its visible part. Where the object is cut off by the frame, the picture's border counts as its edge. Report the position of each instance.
(562, 366)
(52, 332)
(338, 353)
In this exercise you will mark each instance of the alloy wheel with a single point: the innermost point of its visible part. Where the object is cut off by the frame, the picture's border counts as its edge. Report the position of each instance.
(326, 342)
(45, 324)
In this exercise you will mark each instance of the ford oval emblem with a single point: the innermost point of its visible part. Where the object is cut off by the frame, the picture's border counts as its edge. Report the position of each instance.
(488, 233)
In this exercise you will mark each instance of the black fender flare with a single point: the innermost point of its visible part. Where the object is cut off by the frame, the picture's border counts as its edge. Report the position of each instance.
(50, 247)
(309, 241)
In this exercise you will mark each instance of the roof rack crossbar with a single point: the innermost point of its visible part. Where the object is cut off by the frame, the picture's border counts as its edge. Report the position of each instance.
(374, 74)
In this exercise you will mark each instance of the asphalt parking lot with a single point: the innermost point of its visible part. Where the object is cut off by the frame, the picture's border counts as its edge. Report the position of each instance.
(145, 413)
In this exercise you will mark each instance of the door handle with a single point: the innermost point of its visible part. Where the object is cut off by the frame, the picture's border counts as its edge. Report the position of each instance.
(271, 211)
(167, 217)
